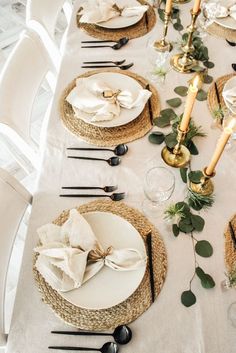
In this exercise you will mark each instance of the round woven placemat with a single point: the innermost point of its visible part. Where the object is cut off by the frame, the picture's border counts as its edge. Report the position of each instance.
(103, 136)
(139, 29)
(212, 98)
(222, 32)
(230, 252)
(137, 303)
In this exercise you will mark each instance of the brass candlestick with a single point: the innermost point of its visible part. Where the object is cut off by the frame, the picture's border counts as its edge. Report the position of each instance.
(180, 155)
(164, 45)
(184, 62)
(205, 187)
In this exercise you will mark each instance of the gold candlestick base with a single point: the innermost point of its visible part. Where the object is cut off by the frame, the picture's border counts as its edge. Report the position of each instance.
(205, 187)
(176, 160)
(163, 44)
(180, 155)
(180, 64)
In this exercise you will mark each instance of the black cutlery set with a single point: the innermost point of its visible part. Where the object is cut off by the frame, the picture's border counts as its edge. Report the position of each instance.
(122, 335)
(232, 44)
(119, 150)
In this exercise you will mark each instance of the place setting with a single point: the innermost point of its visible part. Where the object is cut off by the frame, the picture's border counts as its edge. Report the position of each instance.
(107, 107)
(111, 20)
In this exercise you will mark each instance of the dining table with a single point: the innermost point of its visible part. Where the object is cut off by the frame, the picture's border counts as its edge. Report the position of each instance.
(167, 326)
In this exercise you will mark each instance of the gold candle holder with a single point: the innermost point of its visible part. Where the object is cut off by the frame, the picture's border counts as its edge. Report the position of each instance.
(205, 187)
(184, 62)
(180, 155)
(163, 44)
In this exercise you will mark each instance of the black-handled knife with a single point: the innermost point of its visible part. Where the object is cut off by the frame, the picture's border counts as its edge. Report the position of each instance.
(232, 233)
(152, 282)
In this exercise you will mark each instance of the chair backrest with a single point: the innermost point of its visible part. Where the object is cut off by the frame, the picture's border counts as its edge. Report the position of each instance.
(46, 12)
(20, 79)
(14, 199)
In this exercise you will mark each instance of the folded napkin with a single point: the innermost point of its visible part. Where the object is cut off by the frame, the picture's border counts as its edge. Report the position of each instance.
(230, 98)
(103, 10)
(71, 254)
(98, 102)
(216, 10)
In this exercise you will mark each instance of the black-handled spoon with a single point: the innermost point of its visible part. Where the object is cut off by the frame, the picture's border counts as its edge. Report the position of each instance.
(105, 188)
(122, 67)
(109, 347)
(116, 46)
(123, 41)
(116, 196)
(112, 161)
(233, 44)
(234, 67)
(122, 334)
(119, 150)
(105, 62)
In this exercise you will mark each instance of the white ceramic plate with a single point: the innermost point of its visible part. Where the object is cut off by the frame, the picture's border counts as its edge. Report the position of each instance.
(227, 22)
(122, 22)
(231, 83)
(117, 81)
(108, 287)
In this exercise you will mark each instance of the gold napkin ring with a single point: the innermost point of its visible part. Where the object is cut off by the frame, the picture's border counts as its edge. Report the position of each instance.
(98, 254)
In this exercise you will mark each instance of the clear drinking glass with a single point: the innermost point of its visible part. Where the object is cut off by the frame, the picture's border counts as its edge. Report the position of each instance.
(159, 184)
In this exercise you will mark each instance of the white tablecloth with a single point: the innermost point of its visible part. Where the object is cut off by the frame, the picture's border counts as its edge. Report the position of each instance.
(167, 326)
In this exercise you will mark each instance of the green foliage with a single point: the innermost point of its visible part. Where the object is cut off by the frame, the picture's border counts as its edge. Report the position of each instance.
(156, 137)
(195, 176)
(201, 95)
(206, 280)
(175, 230)
(183, 174)
(188, 298)
(174, 102)
(171, 140)
(203, 248)
(181, 91)
(198, 201)
(231, 275)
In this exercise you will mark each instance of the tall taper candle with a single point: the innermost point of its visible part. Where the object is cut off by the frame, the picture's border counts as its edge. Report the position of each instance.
(196, 6)
(192, 93)
(220, 146)
(168, 6)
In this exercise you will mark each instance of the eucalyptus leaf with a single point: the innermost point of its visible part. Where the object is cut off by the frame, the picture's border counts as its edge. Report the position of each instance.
(208, 64)
(204, 248)
(183, 207)
(178, 26)
(207, 281)
(175, 13)
(175, 230)
(184, 227)
(188, 298)
(207, 79)
(197, 222)
(202, 95)
(195, 176)
(171, 140)
(162, 121)
(192, 148)
(200, 273)
(181, 91)
(174, 102)
(156, 137)
(183, 174)
(161, 14)
(185, 37)
(169, 112)
(194, 205)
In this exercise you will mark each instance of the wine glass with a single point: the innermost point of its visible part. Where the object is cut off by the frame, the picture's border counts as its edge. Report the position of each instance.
(159, 184)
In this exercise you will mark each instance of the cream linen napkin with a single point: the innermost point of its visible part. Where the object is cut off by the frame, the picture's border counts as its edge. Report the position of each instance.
(230, 98)
(103, 10)
(71, 254)
(96, 100)
(216, 10)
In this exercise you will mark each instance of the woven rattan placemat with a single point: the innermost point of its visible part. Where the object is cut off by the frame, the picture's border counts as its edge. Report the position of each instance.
(137, 303)
(102, 136)
(139, 29)
(212, 98)
(230, 251)
(222, 32)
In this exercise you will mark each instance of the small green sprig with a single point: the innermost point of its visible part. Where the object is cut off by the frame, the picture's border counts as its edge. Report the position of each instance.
(231, 278)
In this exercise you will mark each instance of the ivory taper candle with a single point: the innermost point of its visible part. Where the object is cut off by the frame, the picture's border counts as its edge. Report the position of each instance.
(168, 6)
(192, 93)
(227, 132)
(196, 6)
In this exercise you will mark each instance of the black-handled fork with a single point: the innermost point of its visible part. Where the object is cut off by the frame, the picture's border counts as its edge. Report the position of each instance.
(116, 196)
(105, 188)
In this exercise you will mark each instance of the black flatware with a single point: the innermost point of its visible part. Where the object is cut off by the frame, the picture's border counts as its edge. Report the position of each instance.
(122, 67)
(234, 67)
(219, 103)
(119, 150)
(233, 44)
(232, 233)
(122, 334)
(105, 188)
(119, 44)
(112, 161)
(149, 247)
(105, 62)
(121, 41)
(116, 196)
(109, 347)
(149, 105)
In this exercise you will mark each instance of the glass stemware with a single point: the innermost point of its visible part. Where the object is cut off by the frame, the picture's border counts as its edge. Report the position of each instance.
(159, 184)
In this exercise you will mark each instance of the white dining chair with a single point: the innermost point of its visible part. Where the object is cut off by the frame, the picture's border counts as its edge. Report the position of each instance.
(14, 202)
(20, 80)
(41, 16)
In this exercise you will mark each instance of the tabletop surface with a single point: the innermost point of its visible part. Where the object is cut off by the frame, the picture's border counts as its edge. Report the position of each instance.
(167, 326)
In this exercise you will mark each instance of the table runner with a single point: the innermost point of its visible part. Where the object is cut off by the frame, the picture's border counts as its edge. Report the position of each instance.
(167, 326)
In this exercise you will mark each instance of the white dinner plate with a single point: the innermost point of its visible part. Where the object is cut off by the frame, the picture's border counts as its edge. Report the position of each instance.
(231, 83)
(120, 21)
(108, 287)
(227, 22)
(116, 81)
